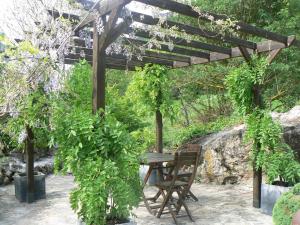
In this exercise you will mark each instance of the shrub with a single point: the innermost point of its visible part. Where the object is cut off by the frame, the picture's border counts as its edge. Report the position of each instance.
(286, 206)
(269, 151)
(101, 153)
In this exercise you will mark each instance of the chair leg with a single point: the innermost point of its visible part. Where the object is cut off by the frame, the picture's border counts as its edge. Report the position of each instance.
(172, 213)
(180, 200)
(182, 203)
(165, 201)
(193, 196)
(188, 211)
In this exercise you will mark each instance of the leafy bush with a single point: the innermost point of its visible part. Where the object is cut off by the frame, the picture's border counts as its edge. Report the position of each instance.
(150, 90)
(269, 151)
(286, 206)
(101, 154)
(276, 158)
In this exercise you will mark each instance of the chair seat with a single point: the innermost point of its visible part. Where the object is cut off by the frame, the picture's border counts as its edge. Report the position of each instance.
(166, 184)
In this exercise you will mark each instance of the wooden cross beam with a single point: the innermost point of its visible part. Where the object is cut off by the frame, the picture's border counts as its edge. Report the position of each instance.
(189, 11)
(149, 20)
(165, 48)
(148, 53)
(182, 42)
(121, 59)
(105, 7)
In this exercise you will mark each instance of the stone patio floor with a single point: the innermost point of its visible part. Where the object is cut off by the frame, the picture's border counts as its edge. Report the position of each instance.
(217, 205)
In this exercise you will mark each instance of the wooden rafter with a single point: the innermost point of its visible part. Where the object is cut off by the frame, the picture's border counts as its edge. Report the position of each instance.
(182, 61)
(149, 20)
(183, 42)
(189, 11)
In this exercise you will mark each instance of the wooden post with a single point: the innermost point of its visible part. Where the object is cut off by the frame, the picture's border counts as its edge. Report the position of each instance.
(98, 72)
(159, 132)
(29, 146)
(257, 173)
(100, 44)
(258, 103)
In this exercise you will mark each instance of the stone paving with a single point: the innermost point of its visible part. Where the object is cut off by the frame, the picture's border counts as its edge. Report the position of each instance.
(218, 205)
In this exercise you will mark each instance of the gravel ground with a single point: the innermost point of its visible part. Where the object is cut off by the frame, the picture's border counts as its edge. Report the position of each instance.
(217, 205)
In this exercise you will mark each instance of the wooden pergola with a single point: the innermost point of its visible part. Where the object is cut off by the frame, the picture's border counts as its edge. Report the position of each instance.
(184, 53)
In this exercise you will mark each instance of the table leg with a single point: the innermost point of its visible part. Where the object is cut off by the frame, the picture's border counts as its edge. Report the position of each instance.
(147, 205)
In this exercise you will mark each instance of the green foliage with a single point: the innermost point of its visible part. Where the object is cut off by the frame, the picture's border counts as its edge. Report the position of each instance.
(241, 81)
(269, 151)
(286, 206)
(34, 112)
(275, 157)
(101, 154)
(150, 90)
(123, 109)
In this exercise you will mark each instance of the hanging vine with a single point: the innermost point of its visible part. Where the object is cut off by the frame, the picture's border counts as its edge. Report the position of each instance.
(269, 150)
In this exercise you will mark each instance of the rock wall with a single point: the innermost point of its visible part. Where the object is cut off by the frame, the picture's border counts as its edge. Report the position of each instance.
(225, 158)
(9, 166)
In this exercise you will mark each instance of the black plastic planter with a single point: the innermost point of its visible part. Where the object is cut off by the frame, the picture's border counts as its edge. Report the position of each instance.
(20, 181)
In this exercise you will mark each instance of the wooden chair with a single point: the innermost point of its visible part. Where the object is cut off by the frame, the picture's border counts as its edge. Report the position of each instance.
(184, 175)
(168, 187)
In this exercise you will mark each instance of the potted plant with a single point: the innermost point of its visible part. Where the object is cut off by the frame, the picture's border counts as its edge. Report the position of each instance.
(24, 99)
(99, 152)
(276, 158)
(287, 206)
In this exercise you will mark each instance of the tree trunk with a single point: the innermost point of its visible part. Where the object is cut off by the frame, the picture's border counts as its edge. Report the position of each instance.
(29, 145)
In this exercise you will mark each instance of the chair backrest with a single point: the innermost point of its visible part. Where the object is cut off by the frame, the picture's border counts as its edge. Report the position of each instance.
(186, 159)
(193, 147)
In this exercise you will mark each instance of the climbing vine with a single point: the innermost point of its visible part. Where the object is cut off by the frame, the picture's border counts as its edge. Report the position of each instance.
(269, 151)
(151, 89)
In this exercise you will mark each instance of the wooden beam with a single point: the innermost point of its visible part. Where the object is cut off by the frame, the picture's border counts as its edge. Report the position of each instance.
(105, 7)
(273, 54)
(265, 46)
(177, 50)
(98, 72)
(258, 103)
(189, 11)
(99, 61)
(148, 53)
(245, 53)
(149, 20)
(182, 42)
(124, 61)
(118, 30)
(108, 65)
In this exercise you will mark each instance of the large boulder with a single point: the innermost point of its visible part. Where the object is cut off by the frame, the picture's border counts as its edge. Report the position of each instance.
(225, 157)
